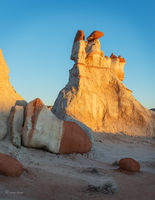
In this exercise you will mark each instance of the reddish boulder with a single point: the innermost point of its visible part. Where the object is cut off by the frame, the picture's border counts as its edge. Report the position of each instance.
(74, 139)
(9, 166)
(129, 164)
(95, 35)
(79, 36)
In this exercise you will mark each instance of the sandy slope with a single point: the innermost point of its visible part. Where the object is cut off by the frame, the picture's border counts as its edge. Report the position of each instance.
(50, 176)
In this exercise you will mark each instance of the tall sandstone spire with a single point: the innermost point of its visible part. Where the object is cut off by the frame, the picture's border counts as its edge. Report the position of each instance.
(96, 96)
(8, 96)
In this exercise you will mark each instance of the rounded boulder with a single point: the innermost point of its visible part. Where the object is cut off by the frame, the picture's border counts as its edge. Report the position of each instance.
(129, 164)
(9, 166)
(95, 35)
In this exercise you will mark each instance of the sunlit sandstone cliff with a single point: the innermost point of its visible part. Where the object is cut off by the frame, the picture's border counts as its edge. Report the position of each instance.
(96, 96)
(8, 96)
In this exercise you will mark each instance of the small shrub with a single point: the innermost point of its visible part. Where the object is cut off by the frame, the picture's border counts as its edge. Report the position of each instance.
(91, 170)
(107, 188)
(115, 163)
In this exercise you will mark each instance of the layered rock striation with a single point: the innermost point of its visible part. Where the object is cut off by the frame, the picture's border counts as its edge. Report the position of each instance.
(8, 96)
(96, 96)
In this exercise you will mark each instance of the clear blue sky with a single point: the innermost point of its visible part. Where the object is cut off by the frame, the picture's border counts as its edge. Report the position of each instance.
(36, 38)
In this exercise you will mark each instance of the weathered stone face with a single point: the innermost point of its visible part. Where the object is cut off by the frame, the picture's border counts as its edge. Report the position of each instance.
(42, 129)
(8, 96)
(16, 125)
(78, 52)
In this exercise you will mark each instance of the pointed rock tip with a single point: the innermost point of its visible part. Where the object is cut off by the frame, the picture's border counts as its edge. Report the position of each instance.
(37, 102)
(95, 35)
(119, 57)
(1, 54)
(113, 56)
(2, 60)
(79, 35)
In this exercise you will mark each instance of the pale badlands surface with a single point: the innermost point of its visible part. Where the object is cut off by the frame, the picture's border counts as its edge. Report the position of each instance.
(50, 176)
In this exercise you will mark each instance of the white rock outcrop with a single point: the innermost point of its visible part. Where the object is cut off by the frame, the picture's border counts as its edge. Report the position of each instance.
(96, 96)
(8, 97)
(42, 129)
(16, 125)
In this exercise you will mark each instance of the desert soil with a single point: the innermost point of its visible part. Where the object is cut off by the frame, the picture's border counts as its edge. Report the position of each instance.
(66, 177)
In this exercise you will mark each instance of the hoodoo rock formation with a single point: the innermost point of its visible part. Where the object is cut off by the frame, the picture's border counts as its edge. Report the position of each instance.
(96, 96)
(8, 96)
(42, 129)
